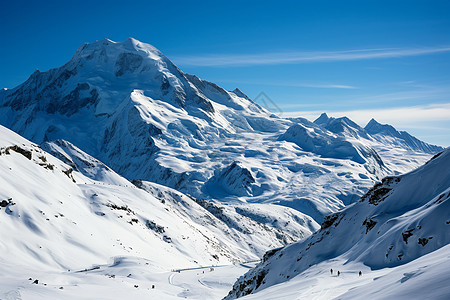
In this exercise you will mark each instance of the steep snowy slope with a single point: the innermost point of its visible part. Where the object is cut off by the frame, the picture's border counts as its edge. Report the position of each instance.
(397, 221)
(75, 213)
(424, 278)
(129, 106)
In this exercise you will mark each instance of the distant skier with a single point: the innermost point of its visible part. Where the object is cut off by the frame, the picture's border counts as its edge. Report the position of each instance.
(360, 273)
(331, 271)
(339, 273)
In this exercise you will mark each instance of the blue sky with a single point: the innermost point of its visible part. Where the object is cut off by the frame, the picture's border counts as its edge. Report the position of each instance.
(384, 59)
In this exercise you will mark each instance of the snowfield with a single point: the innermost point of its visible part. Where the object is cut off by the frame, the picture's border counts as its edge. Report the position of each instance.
(124, 277)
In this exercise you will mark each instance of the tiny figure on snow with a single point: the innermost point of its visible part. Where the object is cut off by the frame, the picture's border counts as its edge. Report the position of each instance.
(360, 273)
(331, 271)
(339, 273)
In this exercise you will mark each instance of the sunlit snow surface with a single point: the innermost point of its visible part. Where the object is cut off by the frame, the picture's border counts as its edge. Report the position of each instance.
(126, 278)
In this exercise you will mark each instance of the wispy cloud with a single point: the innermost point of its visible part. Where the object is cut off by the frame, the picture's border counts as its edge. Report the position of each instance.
(290, 83)
(407, 95)
(411, 115)
(324, 86)
(427, 95)
(302, 57)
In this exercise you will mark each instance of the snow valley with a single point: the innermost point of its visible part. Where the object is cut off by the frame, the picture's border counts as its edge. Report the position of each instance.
(122, 175)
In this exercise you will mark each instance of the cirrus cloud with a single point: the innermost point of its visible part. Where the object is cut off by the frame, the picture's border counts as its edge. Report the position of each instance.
(275, 58)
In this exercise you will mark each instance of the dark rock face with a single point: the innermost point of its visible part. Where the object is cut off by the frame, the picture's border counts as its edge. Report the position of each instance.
(329, 220)
(155, 227)
(128, 63)
(153, 130)
(270, 253)
(74, 101)
(22, 151)
(369, 223)
(423, 241)
(407, 234)
(380, 191)
(44, 94)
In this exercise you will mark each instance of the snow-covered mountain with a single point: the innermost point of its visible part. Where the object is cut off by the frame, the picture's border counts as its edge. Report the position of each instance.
(398, 221)
(68, 211)
(129, 106)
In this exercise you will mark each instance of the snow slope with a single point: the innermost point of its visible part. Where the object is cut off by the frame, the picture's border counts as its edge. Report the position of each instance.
(396, 222)
(129, 106)
(60, 216)
(424, 278)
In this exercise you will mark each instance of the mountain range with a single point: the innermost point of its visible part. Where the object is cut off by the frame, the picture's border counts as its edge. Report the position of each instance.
(129, 106)
(120, 164)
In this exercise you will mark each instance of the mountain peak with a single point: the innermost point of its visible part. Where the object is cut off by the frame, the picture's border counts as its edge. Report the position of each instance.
(107, 52)
(322, 119)
(374, 127)
(132, 40)
(372, 122)
(239, 93)
(108, 41)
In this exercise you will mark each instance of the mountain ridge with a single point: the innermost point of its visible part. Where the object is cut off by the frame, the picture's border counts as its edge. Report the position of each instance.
(381, 131)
